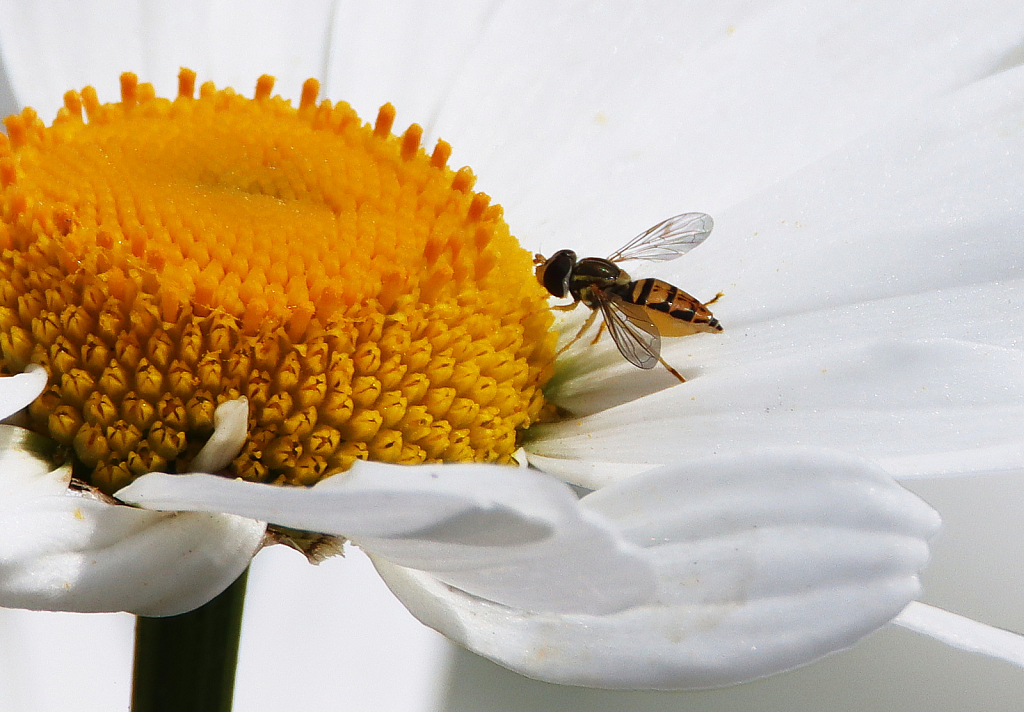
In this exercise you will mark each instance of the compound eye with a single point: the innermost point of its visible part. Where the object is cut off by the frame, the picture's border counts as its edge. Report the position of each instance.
(555, 273)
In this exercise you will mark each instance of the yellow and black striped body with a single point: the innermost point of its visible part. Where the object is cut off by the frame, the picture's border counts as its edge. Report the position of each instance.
(672, 310)
(637, 313)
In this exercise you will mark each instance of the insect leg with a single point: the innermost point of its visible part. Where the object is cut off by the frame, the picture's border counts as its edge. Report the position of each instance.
(600, 331)
(583, 329)
(671, 370)
(715, 299)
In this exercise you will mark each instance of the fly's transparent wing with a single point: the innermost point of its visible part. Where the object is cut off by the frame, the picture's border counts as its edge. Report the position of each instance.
(668, 239)
(632, 331)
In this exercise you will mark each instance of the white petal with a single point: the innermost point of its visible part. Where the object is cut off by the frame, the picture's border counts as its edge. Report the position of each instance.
(496, 531)
(919, 407)
(68, 552)
(75, 554)
(17, 392)
(963, 633)
(765, 562)
(407, 53)
(657, 108)
(595, 378)
(51, 46)
(928, 202)
(24, 469)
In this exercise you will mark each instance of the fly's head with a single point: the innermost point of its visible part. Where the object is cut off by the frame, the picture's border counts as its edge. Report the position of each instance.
(556, 272)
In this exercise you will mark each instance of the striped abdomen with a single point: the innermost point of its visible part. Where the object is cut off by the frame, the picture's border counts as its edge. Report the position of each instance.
(672, 310)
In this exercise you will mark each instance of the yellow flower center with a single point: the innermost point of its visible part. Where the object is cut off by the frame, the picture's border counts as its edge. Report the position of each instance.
(166, 256)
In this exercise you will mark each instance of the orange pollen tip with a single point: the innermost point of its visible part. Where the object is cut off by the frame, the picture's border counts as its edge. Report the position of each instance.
(264, 86)
(411, 141)
(385, 120)
(310, 90)
(73, 103)
(442, 152)
(164, 256)
(129, 84)
(186, 83)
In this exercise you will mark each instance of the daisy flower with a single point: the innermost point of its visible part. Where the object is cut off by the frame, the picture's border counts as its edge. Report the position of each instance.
(740, 524)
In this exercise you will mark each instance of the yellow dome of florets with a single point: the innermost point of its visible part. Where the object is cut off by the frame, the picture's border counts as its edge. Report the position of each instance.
(166, 256)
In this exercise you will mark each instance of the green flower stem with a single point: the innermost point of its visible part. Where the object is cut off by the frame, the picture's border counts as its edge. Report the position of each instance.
(187, 662)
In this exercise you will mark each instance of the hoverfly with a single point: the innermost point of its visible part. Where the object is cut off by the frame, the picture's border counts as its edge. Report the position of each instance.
(637, 313)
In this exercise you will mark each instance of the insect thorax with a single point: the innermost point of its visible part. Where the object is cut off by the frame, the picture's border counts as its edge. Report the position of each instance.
(595, 273)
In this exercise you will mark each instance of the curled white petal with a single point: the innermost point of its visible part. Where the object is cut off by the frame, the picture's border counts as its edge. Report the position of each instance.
(765, 562)
(16, 392)
(94, 556)
(506, 533)
(230, 429)
(64, 551)
(24, 469)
